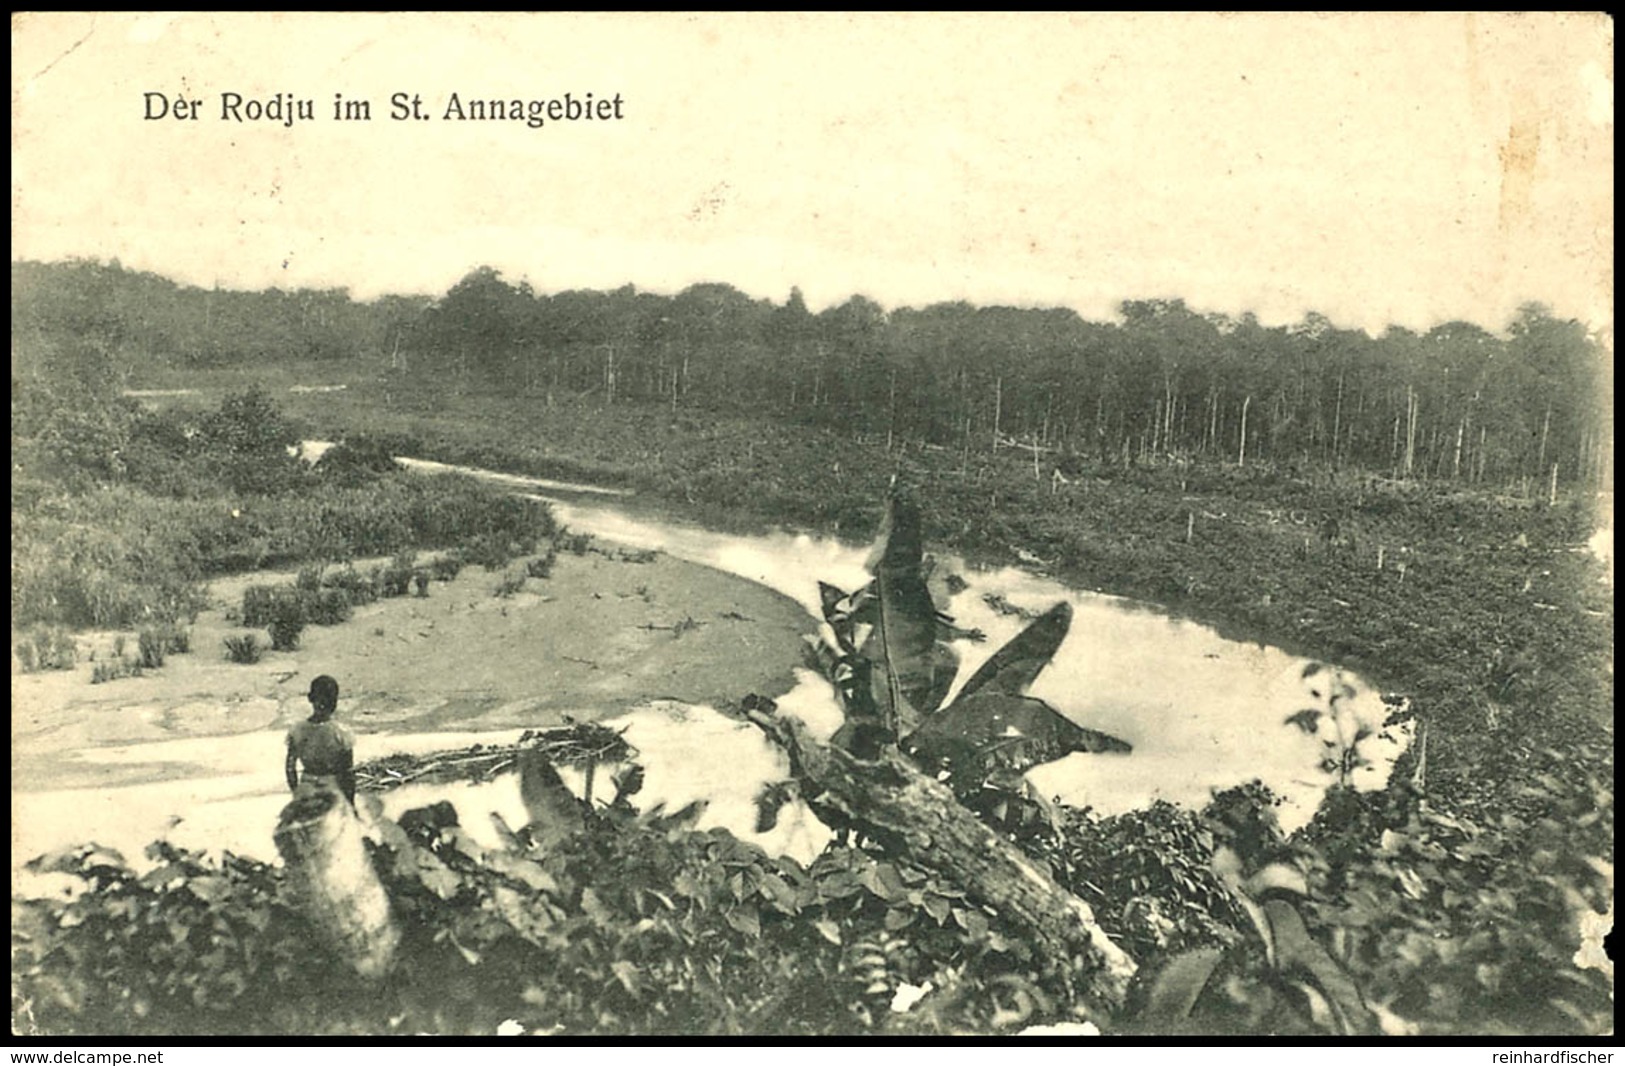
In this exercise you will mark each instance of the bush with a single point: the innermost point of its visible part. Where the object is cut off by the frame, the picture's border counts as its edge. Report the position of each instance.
(542, 565)
(328, 607)
(285, 633)
(447, 567)
(513, 581)
(574, 543)
(179, 638)
(493, 551)
(114, 670)
(152, 649)
(47, 648)
(310, 578)
(158, 641)
(420, 579)
(244, 649)
(358, 587)
(246, 443)
(357, 461)
(259, 605)
(396, 578)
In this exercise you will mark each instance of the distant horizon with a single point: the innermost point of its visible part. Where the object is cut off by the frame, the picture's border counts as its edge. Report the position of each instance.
(1115, 317)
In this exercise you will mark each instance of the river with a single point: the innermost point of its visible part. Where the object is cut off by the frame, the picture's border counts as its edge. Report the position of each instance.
(1202, 712)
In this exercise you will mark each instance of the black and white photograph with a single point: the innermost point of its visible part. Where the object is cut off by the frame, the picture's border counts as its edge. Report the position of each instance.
(781, 526)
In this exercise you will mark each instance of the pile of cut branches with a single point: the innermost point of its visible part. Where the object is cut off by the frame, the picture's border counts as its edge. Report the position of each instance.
(576, 744)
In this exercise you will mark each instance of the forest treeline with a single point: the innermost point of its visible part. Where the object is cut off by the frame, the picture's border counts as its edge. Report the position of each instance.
(1523, 407)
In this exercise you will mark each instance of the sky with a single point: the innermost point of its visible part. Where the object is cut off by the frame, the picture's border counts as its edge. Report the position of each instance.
(1406, 169)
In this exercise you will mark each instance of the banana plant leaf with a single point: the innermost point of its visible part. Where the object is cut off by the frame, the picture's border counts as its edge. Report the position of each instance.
(1180, 984)
(846, 611)
(1015, 666)
(1297, 951)
(829, 596)
(994, 731)
(912, 670)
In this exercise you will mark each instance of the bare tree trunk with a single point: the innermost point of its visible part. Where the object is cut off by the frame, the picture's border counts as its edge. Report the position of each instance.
(998, 406)
(1545, 431)
(1241, 455)
(1337, 418)
(1410, 429)
(320, 840)
(891, 418)
(913, 815)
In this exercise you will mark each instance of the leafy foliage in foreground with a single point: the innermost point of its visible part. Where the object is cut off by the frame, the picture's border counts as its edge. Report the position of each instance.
(637, 925)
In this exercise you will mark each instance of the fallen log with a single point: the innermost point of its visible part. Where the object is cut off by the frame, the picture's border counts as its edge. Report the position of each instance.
(890, 801)
(320, 840)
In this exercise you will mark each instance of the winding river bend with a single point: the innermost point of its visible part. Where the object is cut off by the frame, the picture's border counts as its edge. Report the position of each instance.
(1202, 712)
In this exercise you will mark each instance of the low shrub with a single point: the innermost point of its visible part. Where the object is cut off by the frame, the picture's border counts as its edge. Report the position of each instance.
(357, 460)
(574, 543)
(158, 641)
(179, 638)
(310, 578)
(259, 603)
(420, 580)
(152, 649)
(328, 607)
(513, 581)
(395, 578)
(492, 551)
(359, 587)
(542, 565)
(447, 566)
(285, 633)
(114, 670)
(47, 648)
(244, 649)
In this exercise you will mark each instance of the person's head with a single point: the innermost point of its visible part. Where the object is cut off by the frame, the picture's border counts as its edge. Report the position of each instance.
(324, 696)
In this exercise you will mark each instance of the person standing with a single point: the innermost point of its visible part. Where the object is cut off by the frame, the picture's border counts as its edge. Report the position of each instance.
(323, 746)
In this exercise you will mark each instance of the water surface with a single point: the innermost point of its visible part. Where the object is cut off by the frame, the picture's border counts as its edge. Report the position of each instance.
(1202, 712)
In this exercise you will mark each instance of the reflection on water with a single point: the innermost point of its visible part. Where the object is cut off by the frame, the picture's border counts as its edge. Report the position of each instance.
(688, 753)
(1202, 713)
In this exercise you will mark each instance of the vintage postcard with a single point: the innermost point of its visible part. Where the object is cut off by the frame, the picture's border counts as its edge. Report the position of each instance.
(793, 525)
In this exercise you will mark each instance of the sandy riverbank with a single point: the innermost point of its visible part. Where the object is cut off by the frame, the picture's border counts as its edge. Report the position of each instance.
(600, 635)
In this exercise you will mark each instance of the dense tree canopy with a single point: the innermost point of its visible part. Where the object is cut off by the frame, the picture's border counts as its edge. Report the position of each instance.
(1457, 402)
